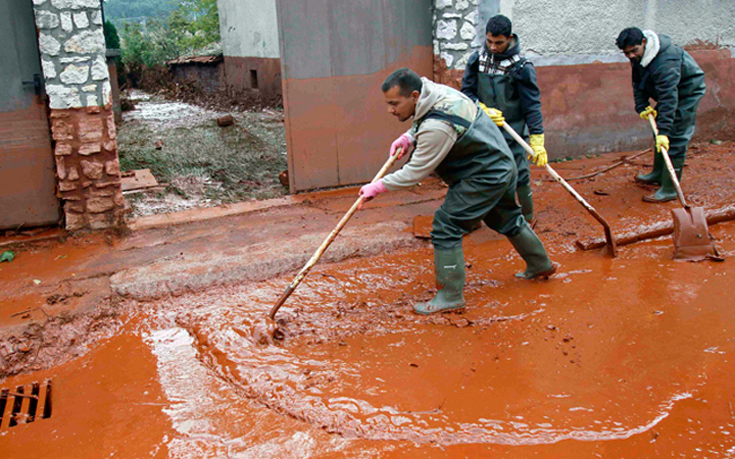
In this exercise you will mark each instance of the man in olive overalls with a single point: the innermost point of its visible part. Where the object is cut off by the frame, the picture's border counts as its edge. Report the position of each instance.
(498, 77)
(667, 74)
(455, 139)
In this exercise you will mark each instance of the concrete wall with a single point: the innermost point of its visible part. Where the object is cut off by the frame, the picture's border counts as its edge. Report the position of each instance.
(249, 30)
(587, 98)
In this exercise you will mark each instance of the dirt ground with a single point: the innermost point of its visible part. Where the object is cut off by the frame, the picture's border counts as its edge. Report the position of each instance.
(200, 163)
(146, 335)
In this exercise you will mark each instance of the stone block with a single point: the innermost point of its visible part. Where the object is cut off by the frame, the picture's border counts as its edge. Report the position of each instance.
(62, 149)
(62, 97)
(441, 4)
(86, 42)
(81, 20)
(112, 168)
(446, 30)
(462, 5)
(92, 101)
(61, 4)
(49, 69)
(67, 186)
(74, 59)
(74, 206)
(467, 32)
(48, 45)
(92, 169)
(99, 69)
(90, 88)
(461, 46)
(103, 192)
(61, 131)
(79, 4)
(75, 74)
(111, 131)
(118, 198)
(100, 204)
(107, 94)
(110, 146)
(66, 22)
(47, 19)
(448, 58)
(96, 17)
(39, 2)
(72, 173)
(90, 129)
(60, 168)
(90, 148)
(75, 221)
(93, 110)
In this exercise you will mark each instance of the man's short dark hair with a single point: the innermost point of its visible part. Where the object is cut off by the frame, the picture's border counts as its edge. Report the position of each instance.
(406, 79)
(630, 37)
(499, 25)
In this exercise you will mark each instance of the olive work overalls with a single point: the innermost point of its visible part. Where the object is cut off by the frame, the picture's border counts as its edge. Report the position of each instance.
(481, 175)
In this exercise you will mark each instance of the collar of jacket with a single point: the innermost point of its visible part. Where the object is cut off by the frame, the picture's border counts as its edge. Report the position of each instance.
(514, 47)
(653, 46)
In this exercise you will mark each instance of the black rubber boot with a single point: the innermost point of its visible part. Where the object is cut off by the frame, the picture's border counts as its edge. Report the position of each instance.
(667, 192)
(525, 199)
(653, 177)
(532, 250)
(450, 275)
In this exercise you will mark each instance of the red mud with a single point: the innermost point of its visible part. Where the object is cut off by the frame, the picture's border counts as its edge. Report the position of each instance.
(625, 357)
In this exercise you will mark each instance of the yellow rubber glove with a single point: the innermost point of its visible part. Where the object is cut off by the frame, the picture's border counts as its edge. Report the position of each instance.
(537, 143)
(494, 114)
(648, 111)
(662, 141)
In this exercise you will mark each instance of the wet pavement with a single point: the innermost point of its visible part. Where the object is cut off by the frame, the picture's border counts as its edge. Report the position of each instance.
(625, 357)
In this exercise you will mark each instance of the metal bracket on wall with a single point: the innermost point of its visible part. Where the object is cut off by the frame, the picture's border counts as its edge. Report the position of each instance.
(36, 83)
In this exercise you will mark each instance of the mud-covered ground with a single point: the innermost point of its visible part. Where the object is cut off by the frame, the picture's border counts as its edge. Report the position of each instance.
(624, 357)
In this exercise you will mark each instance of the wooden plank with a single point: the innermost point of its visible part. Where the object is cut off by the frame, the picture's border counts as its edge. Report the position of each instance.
(141, 179)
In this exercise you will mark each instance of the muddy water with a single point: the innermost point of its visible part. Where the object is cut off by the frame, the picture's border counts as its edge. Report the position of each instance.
(626, 357)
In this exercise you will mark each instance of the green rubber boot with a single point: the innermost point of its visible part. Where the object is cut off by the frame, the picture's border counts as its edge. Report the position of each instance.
(667, 192)
(654, 177)
(532, 250)
(449, 271)
(525, 199)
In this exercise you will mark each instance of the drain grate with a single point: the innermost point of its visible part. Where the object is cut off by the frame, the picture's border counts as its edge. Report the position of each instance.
(25, 404)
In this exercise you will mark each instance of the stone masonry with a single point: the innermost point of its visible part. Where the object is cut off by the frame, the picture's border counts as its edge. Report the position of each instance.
(72, 48)
(458, 27)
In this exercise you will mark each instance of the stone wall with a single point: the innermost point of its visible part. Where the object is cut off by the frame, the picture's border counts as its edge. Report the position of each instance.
(77, 82)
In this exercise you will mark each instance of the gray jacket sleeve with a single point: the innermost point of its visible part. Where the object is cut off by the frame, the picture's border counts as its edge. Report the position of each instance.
(434, 140)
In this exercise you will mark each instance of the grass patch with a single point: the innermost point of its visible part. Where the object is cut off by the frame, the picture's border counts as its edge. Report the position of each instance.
(234, 163)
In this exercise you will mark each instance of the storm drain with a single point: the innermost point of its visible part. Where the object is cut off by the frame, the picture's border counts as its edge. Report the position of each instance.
(25, 404)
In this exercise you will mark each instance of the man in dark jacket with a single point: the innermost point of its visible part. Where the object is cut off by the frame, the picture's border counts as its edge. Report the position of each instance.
(498, 77)
(667, 74)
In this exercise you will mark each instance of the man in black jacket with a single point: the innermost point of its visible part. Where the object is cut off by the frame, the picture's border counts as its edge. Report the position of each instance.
(498, 77)
(667, 74)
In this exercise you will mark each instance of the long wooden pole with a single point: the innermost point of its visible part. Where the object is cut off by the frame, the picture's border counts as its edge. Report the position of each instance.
(612, 247)
(314, 258)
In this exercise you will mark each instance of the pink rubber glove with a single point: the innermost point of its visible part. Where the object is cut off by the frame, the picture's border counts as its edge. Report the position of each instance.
(404, 142)
(371, 190)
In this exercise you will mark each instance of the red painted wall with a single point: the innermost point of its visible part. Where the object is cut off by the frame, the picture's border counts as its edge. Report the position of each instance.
(589, 108)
